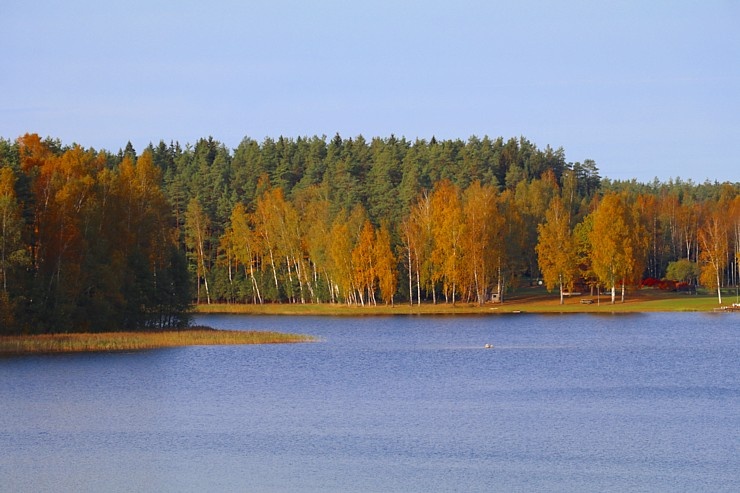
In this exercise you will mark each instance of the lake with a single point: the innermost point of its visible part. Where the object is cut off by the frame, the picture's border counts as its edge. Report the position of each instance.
(647, 402)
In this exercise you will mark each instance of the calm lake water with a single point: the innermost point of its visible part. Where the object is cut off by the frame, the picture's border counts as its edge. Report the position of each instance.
(562, 403)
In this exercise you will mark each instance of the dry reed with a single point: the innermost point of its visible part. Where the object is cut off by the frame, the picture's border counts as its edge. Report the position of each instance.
(131, 341)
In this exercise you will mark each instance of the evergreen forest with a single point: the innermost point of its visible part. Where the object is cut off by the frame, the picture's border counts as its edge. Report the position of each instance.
(92, 240)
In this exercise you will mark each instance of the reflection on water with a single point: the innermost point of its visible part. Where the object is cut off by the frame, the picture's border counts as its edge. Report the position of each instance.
(561, 403)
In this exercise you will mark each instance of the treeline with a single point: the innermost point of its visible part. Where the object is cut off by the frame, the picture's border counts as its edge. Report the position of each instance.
(86, 242)
(336, 220)
(304, 220)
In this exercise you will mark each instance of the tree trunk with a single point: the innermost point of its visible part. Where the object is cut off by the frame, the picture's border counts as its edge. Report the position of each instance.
(614, 292)
(255, 286)
(418, 284)
(719, 288)
(3, 267)
(274, 273)
(411, 289)
(478, 293)
(562, 301)
(203, 266)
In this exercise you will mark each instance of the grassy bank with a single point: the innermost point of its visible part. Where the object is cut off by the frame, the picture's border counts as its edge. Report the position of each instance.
(533, 300)
(131, 341)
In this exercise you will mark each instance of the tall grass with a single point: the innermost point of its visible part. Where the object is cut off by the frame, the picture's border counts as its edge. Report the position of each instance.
(130, 341)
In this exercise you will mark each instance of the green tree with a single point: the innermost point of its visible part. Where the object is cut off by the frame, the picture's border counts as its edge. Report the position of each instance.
(683, 270)
(532, 200)
(384, 178)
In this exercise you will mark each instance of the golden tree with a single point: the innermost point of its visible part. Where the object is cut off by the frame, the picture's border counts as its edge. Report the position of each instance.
(713, 254)
(618, 243)
(363, 263)
(315, 224)
(416, 235)
(345, 233)
(447, 231)
(556, 248)
(268, 224)
(481, 244)
(244, 245)
(385, 265)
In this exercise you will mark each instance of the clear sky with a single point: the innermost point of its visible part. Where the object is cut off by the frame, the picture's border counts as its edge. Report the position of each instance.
(646, 89)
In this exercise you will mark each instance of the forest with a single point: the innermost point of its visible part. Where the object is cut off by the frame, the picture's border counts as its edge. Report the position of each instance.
(96, 241)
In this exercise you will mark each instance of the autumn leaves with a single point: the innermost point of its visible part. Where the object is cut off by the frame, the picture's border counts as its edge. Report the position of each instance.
(86, 246)
(308, 255)
(91, 239)
(613, 244)
(452, 244)
(451, 241)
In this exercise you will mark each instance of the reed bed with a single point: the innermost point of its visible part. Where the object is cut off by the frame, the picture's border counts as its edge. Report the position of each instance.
(133, 341)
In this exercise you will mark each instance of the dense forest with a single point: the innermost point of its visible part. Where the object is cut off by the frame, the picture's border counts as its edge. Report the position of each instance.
(92, 240)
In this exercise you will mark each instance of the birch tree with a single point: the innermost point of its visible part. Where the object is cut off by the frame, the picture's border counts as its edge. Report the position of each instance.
(340, 260)
(556, 248)
(315, 226)
(613, 242)
(714, 244)
(447, 230)
(363, 263)
(480, 243)
(196, 231)
(417, 238)
(244, 243)
(385, 265)
(267, 227)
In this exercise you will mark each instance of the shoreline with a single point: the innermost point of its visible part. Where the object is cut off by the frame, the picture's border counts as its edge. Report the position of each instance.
(642, 301)
(19, 345)
(534, 302)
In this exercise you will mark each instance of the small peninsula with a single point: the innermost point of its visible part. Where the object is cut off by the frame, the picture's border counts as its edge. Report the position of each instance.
(137, 341)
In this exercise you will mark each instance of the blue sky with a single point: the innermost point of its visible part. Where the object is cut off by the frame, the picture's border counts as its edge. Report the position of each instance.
(646, 89)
